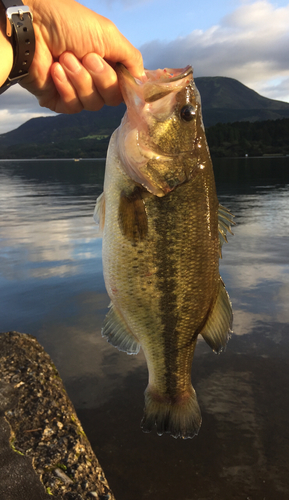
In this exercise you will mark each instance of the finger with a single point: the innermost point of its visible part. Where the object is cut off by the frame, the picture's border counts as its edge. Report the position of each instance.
(82, 82)
(133, 61)
(119, 49)
(104, 78)
(69, 101)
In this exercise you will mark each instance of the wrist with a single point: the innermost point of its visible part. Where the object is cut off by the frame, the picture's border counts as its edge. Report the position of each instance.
(20, 36)
(6, 50)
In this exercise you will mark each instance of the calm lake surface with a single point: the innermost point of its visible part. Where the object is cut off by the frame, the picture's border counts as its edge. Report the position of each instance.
(51, 286)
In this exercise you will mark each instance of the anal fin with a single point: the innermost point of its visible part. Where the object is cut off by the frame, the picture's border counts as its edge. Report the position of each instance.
(217, 330)
(116, 332)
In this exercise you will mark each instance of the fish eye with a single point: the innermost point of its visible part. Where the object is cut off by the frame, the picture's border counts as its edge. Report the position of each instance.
(188, 113)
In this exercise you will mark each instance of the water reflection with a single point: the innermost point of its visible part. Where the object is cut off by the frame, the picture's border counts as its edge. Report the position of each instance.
(51, 285)
(255, 265)
(46, 225)
(48, 237)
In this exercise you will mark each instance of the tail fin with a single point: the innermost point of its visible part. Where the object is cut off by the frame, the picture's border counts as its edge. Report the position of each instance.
(181, 418)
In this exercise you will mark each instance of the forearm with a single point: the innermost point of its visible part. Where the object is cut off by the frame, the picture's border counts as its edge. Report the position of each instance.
(5, 50)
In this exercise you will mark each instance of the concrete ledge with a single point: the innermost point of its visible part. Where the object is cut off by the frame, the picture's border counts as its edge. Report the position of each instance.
(44, 452)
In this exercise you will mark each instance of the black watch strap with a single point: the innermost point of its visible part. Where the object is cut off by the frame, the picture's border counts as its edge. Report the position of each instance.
(19, 29)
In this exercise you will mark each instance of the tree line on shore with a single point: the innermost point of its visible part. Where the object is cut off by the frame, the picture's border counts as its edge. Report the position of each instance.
(270, 137)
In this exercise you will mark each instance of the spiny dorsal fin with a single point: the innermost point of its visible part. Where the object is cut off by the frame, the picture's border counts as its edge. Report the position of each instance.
(99, 213)
(225, 221)
(133, 219)
(217, 330)
(116, 332)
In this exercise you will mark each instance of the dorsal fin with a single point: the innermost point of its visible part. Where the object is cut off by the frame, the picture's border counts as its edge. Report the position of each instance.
(99, 213)
(116, 332)
(225, 221)
(217, 330)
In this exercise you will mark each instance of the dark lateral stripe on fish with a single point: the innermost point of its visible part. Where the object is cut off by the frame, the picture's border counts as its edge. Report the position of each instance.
(167, 285)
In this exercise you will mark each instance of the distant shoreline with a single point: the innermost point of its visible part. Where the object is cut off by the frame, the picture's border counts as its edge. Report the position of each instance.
(103, 159)
(52, 159)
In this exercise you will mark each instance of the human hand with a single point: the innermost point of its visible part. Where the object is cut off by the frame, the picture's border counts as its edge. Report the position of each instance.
(76, 50)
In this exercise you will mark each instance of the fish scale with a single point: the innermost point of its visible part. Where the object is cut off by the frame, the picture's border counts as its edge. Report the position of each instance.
(160, 216)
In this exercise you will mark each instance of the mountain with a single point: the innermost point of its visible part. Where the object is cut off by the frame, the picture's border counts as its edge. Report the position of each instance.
(62, 127)
(224, 100)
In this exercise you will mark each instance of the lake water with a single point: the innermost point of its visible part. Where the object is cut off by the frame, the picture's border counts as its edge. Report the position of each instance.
(51, 286)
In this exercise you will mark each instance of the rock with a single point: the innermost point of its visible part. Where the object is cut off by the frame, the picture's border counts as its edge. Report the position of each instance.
(44, 452)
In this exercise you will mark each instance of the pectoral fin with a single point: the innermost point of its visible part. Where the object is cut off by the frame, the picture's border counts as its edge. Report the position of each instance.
(117, 333)
(99, 213)
(132, 215)
(217, 329)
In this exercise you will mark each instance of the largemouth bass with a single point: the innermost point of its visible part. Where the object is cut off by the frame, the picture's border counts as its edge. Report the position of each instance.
(163, 229)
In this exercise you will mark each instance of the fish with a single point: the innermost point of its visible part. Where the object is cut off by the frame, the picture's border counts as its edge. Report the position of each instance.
(163, 230)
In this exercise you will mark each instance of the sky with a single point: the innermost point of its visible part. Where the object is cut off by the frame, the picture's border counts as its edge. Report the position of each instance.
(243, 39)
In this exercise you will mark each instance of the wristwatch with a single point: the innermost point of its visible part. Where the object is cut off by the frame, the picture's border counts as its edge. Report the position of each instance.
(19, 29)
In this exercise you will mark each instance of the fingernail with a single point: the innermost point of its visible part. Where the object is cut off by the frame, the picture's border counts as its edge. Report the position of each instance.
(93, 62)
(71, 63)
(143, 77)
(59, 73)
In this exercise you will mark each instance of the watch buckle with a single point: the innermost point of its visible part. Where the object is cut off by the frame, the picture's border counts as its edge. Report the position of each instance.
(18, 10)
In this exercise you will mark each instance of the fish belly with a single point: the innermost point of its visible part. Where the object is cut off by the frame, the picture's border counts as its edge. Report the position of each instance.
(163, 286)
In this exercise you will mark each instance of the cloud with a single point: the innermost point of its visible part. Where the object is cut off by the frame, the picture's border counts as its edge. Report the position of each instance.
(18, 106)
(276, 89)
(250, 44)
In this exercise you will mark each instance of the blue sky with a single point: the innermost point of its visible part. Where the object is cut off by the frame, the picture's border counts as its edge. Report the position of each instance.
(145, 20)
(243, 39)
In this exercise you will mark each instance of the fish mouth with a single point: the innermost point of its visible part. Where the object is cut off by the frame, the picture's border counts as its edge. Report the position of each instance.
(165, 75)
(154, 85)
(169, 74)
